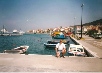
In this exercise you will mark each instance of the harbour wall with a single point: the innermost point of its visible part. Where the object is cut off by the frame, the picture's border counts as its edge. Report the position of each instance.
(89, 54)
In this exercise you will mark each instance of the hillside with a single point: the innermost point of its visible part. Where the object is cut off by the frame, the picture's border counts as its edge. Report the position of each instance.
(97, 22)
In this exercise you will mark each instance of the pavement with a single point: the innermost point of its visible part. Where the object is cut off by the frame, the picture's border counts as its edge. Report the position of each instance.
(49, 63)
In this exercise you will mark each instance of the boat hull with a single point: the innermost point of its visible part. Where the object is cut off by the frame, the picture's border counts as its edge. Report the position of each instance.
(59, 37)
(76, 50)
(49, 45)
(19, 50)
(53, 43)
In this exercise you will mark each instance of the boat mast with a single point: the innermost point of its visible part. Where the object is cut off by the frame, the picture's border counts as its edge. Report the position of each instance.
(3, 29)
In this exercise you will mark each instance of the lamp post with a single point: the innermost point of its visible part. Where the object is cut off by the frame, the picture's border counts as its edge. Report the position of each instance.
(81, 19)
(74, 25)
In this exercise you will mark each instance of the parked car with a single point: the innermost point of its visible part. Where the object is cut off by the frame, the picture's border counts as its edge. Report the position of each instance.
(97, 35)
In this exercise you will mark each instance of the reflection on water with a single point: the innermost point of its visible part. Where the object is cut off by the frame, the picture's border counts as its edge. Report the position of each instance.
(34, 41)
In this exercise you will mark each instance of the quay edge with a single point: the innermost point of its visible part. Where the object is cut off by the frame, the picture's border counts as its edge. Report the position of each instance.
(92, 50)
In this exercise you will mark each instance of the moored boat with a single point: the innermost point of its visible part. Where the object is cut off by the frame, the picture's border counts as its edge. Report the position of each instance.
(52, 44)
(20, 50)
(59, 35)
(76, 50)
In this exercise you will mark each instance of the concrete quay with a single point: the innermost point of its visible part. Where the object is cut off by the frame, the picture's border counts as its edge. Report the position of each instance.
(89, 44)
(49, 63)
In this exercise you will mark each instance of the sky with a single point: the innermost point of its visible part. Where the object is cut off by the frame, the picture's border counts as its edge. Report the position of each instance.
(43, 14)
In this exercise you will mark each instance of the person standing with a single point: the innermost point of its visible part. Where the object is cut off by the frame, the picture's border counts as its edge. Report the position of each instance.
(60, 49)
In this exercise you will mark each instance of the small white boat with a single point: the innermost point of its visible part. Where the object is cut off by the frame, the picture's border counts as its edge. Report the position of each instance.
(76, 50)
(20, 50)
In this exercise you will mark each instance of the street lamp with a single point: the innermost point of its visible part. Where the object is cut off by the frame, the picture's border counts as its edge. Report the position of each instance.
(74, 25)
(81, 19)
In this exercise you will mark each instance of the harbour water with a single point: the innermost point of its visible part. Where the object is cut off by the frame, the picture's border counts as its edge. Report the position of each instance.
(34, 41)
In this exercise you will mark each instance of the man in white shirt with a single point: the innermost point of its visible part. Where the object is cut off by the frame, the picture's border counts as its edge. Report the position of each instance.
(60, 49)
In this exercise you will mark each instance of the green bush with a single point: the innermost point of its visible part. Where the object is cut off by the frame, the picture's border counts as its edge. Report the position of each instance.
(91, 32)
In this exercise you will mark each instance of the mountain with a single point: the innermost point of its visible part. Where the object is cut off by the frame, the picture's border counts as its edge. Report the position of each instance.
(97, 22)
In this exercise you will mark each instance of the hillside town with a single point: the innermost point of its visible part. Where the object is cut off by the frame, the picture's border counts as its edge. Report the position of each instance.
(74, 29)
(90, 29)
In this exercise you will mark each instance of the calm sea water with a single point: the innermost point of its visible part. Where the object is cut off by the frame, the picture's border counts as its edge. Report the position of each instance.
(34, 41)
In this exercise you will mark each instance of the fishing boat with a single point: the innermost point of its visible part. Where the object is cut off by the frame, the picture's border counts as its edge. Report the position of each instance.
(52, 43)
(59, 35)
(76, 50)
(20, 50)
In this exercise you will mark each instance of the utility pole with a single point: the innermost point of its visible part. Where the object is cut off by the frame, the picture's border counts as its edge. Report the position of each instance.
(81, 19)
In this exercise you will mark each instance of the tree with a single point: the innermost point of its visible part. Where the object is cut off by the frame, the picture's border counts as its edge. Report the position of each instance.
(92, 32)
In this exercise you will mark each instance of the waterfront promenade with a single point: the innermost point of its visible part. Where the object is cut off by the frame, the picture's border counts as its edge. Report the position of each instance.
(93, 46)
(49, 63)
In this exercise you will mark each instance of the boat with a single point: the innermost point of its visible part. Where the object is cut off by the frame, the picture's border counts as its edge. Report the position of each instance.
(52, 43)
(15, 32)
(76, 50)
(20, 50)
(59, 35)
(4, 32)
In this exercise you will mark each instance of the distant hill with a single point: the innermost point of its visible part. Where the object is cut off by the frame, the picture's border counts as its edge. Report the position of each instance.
(97, 22)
